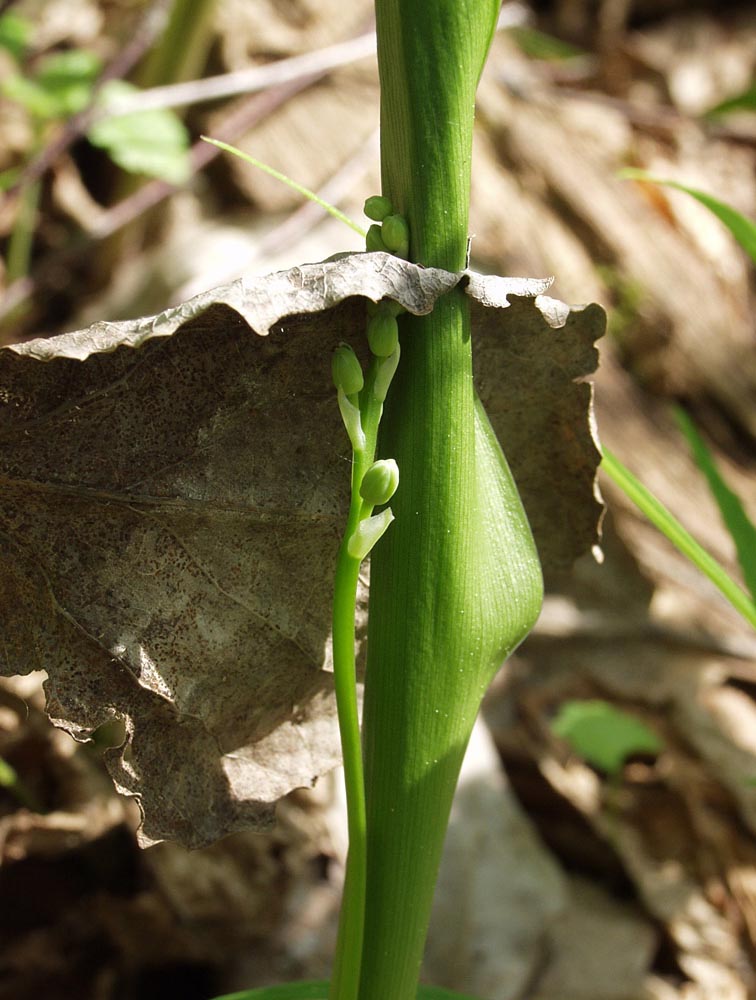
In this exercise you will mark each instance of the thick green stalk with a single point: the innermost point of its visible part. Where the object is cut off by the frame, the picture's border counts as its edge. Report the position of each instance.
(456, 583)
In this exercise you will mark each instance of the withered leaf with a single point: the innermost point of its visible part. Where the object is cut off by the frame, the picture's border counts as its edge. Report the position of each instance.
(173, 492)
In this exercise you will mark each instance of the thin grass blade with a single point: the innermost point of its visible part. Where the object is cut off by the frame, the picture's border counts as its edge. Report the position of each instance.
(741, 528)
(662, 519)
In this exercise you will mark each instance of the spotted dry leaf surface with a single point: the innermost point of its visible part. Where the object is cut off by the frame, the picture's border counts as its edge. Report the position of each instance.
(173, 491)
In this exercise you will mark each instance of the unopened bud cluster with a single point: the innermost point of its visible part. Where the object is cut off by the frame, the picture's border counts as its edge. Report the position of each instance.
(392, 235)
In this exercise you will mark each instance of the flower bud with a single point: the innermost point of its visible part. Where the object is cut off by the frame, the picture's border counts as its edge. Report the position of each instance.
(380, 482)
(374, 240)
(383, 333)
(395, 234)
(346, 370)
(377, 208)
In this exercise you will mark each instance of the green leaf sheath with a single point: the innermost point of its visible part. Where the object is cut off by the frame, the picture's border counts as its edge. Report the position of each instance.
(455, 584)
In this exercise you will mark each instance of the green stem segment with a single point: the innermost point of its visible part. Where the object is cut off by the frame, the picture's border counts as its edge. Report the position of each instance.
(456, 584)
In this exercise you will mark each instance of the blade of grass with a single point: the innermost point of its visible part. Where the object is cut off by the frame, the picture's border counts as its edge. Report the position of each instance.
(745, 101)
(741, 528)
(743, 229)
(299, 188)
(662, 519)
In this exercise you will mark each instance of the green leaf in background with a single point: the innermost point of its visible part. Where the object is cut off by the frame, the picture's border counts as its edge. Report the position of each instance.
(318, 990)
(602, 734)
(538, 45)
(61, 85)
(741, 528)
(15, 32)
(740, 102)
(30, 96)
(9, 177)
(153, 143)
(743, 229)
(8, 776)
(661, 518)
(68, 77)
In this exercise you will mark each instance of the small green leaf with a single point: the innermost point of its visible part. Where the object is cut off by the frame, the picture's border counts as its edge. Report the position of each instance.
(35, 99)
(743, 229)
(15, 32)
(8, 776)
(741, 528)
(154, 143)
(746, 101)
(61, 86)
(602, 734)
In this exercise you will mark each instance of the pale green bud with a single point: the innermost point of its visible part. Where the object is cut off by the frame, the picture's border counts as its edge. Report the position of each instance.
(374, 240)
(367, 533)
(377, 208)
(395, 234)
(383, 333)
(380, 482)
(346, 370)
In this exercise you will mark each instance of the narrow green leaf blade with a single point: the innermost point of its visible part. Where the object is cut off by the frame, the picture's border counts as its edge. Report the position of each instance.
(741, 528)
(745, 101)
(661, 518)
(743, 229)
(603, 735)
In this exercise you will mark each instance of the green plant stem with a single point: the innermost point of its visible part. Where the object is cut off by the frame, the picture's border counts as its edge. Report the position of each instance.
(346, 973)
(662, 519)
(182, 52)
(456, 584)
(22, 237)
(345, 978)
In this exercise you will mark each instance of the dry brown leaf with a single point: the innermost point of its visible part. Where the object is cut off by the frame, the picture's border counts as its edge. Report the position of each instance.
(170, 517)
